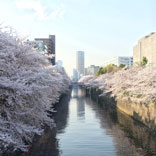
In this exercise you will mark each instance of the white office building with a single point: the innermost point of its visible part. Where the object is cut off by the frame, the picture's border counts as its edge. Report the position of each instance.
(126, 60)
(91, 70)
(80, 64)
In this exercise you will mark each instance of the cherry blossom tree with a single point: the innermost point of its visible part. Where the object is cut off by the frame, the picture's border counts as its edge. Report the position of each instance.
(29, 86)
(138, 83)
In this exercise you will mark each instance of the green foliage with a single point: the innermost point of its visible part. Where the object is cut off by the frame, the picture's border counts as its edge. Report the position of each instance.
(122, 66)
(144, 61)
(126, 93)
(108, 69)
(101, 71)
(139, 96)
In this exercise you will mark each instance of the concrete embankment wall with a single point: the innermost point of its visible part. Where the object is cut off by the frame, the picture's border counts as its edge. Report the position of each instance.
(143, 112)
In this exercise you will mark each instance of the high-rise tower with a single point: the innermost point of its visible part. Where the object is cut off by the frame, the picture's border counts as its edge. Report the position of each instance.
(80, 65)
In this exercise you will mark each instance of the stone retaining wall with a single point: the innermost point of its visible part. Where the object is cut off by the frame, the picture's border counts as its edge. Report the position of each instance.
(142, 112)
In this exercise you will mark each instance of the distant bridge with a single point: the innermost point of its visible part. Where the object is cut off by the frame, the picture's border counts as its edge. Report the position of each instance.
(75, 83)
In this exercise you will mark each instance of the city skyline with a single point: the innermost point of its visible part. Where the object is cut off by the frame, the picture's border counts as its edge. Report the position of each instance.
(103, 29)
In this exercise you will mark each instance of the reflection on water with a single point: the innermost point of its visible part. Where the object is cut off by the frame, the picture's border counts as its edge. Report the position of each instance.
(138, 134)
(80, 105)
(85, 128)
(81, 109)
(47, 144)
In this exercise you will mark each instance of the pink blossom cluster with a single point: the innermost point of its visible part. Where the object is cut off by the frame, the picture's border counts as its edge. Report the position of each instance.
(29, 85)
(138, 83)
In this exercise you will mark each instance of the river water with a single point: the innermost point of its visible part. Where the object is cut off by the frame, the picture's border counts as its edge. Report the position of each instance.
(85, 128)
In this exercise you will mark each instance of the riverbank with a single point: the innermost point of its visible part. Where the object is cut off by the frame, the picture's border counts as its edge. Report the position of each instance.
(139, 111)
(132, 91)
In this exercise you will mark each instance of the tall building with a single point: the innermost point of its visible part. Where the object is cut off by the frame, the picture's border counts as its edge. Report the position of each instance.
(126, 60)
(59, 63)
(75, 76)
(38, 45)
(80, 64)
(91, 70)
(146, 47)
(50, 43)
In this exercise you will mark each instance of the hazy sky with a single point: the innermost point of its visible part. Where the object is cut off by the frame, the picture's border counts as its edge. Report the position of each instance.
(101, 28)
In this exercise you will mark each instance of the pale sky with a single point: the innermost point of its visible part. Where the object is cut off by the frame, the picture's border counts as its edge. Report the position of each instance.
(101, 28)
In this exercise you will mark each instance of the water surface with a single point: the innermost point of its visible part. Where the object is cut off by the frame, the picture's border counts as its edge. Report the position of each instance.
(85, 128)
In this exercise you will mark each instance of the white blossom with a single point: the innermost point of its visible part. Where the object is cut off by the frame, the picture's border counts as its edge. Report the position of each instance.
(29, 86)
(138, 83)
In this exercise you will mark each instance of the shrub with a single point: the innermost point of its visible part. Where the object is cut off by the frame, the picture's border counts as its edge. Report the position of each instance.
(121, 66)
(144, 61)
(108, 69)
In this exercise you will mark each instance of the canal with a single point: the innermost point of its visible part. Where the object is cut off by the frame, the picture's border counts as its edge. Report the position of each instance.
(85, 128)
